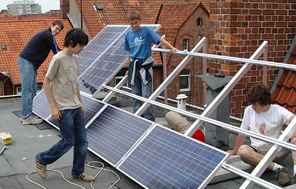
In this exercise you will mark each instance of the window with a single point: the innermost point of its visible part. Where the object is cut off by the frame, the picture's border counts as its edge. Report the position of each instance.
(39, 88)
(118, 79)
(19, 89)
(186, 44)
(199, 22)
(185, 78)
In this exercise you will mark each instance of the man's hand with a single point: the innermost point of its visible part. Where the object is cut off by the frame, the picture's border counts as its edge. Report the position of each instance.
(55, 113)
(174, 49)
(232, 152)
(83, 111)
(293, 141)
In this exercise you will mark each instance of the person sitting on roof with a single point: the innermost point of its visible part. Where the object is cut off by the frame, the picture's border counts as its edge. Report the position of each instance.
(181, 125)
(267, 119)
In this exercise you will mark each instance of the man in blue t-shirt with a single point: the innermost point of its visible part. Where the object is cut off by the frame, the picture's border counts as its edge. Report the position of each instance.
(29, 60)
(138, 42)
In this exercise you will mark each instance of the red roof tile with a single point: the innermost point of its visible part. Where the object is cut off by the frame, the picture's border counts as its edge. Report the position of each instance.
(15, 36)
(285, 91)
(115, 11)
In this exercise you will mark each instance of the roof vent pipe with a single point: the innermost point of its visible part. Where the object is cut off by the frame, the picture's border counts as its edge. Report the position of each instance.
(3, 47)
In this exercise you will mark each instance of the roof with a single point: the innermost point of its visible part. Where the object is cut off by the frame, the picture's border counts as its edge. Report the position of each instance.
(285, 91)
(5, 14)
(114, 12)
(16, 35)
(178, 14)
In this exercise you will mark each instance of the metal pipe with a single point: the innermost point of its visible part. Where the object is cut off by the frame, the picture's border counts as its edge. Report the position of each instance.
(231, 59)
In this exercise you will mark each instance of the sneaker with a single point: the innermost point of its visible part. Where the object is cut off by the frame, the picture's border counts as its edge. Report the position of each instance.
(41, 169)
(31, 120)
(84, 176)
(282, 175)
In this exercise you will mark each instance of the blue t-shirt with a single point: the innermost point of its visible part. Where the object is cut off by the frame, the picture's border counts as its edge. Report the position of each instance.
(139, 42)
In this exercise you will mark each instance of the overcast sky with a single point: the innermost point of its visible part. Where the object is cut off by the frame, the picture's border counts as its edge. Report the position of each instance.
(46, 5)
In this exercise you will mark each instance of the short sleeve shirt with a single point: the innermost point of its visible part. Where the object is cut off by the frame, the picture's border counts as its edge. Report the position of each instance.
(266, 123)
(63, 72)
(139, 42)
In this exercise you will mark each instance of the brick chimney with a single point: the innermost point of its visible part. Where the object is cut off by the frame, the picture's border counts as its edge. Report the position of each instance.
(64, 8)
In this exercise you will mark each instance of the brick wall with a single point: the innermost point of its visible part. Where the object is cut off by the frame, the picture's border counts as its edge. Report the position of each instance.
(241, 26)
(191, 31)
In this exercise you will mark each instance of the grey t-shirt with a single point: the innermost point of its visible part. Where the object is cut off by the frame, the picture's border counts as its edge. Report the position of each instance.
(63, 71)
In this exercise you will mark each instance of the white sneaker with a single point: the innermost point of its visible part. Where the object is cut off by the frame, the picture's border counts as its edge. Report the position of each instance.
(31, 120)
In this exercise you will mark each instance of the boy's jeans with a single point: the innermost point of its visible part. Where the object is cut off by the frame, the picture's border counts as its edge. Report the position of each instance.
(140, 89)
(73, 133)
(29, 86)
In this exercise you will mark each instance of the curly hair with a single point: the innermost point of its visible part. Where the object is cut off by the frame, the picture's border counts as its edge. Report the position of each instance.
(259, 94)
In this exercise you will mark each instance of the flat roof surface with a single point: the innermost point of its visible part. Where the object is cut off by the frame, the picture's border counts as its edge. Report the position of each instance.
(18, 160)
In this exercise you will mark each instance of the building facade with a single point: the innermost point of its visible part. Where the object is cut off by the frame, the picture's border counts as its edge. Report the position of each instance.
(24, 7)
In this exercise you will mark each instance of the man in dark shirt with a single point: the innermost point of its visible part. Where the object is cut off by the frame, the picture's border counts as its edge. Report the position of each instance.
(29, 60)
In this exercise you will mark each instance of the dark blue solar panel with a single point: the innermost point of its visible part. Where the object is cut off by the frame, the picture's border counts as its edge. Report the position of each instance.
(98, 45)
(166, 159)
(113, 133)
(40, 105)
(100, 67)
(41, 108)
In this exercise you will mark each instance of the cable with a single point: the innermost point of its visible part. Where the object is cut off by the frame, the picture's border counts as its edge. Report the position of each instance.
(88, 164)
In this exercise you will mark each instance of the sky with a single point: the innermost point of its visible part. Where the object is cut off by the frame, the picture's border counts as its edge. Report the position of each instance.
(46, 5)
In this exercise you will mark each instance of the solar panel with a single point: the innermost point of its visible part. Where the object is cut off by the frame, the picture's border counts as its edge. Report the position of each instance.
(98, 45)
(41, 108)
(113, 133)
(99, 67)
(40, 105)
(167, 159)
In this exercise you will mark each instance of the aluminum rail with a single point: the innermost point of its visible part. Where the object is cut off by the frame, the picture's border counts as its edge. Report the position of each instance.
(208, 120)
(257, 180)
(228, 58)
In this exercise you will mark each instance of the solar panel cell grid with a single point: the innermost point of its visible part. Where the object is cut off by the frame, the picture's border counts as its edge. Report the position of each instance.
(114, 132)
(40, 105)
(165, 159)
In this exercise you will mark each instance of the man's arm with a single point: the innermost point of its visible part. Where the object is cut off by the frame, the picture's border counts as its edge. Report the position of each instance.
(293, 137)
(55, 113)
(79, 97)
(166, 43)
(239, 141)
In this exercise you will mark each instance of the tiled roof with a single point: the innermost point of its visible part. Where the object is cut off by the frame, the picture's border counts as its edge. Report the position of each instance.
(115, 11)
(285, 92)
(5, 14)
(15, 36)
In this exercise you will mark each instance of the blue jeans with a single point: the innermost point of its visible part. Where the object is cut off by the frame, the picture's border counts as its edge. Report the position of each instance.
(29, 86)
(140, 89)
(73, 133)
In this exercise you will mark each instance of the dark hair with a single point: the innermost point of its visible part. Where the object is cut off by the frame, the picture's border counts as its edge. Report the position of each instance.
(59, 23)
(133, 15)
(75, 36)
(259, 94)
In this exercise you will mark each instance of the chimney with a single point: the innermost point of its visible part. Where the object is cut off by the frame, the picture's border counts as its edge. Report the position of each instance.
(65, 7)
